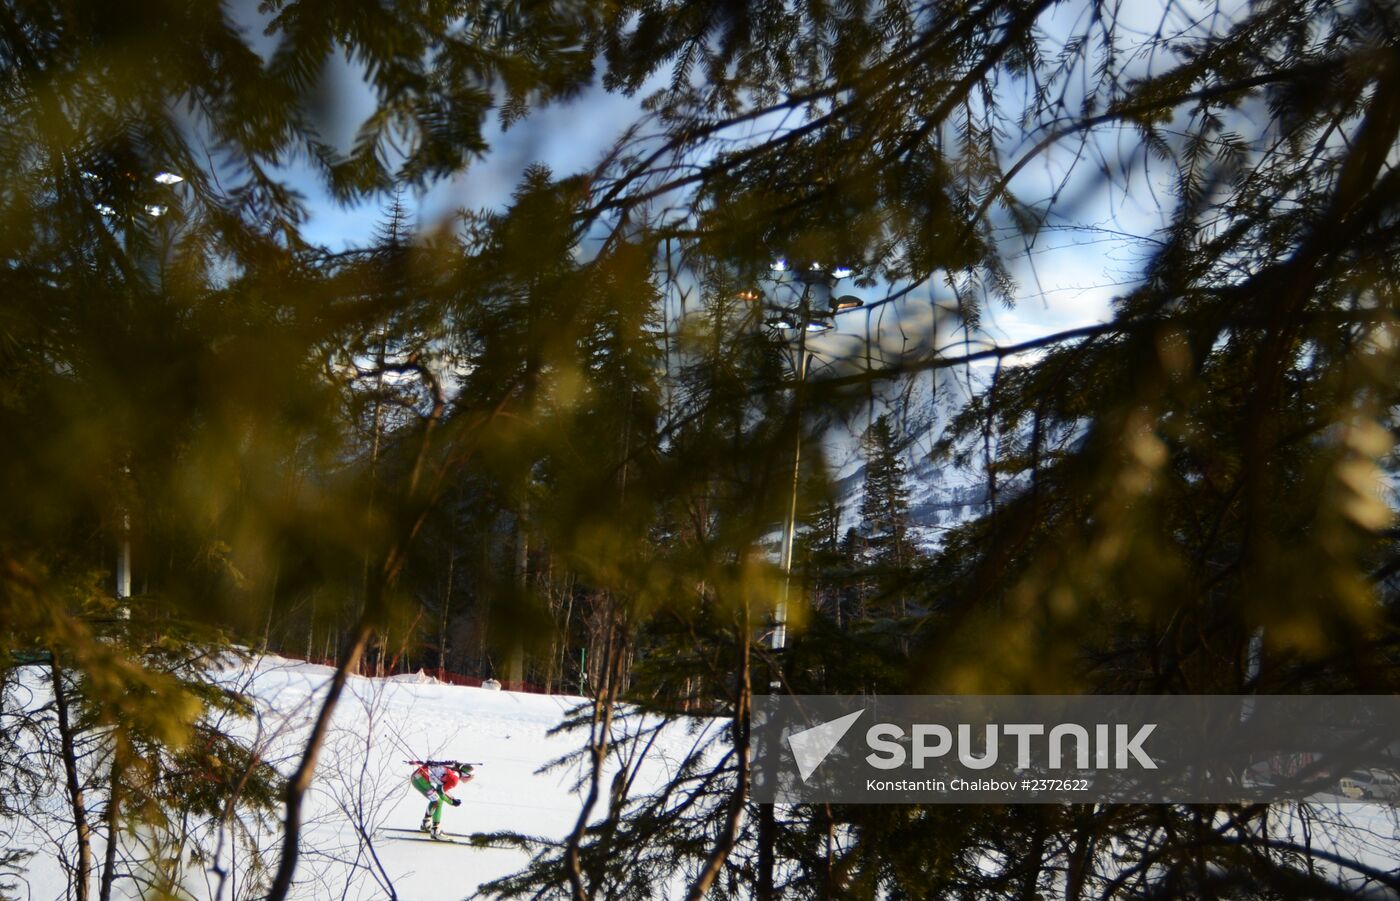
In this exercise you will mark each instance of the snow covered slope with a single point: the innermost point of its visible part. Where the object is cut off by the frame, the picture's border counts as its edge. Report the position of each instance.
(363, 781)
(362, 787)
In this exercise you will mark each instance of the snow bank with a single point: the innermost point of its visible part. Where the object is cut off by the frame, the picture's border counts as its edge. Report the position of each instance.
(419, 677)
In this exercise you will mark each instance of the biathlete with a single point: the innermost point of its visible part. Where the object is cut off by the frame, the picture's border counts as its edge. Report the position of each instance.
(434, 779)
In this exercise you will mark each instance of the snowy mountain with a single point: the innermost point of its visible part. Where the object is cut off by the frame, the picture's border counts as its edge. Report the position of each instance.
(941, 495)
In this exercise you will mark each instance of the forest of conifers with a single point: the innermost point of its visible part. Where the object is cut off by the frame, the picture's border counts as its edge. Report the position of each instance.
(554, 441)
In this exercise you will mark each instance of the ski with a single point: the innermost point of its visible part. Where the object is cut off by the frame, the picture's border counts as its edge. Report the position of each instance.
(475, 840)
(414, 836)
(420, 835)
(407, 831)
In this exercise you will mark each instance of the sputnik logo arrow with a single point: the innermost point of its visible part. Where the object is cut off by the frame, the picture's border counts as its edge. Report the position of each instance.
(810, 746)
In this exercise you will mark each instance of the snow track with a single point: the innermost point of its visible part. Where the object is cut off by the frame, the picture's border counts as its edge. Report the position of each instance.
(361, 781)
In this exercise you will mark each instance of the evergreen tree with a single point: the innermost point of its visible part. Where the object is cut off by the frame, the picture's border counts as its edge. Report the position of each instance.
(884, 504)
(886, 550)
(272, 428)
(819, 557)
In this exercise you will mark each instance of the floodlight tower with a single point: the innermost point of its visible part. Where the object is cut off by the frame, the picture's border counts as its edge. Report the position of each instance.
(813, 312)
(153, 210)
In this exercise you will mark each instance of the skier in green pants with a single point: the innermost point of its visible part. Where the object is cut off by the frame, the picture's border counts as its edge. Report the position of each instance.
(434, 779)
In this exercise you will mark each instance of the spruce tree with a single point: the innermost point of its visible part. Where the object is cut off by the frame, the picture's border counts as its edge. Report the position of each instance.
(1198, 474)
(886, 549)
(884, 503)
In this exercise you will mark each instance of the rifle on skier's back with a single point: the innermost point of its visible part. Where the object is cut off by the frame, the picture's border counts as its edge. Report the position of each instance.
(454, 764)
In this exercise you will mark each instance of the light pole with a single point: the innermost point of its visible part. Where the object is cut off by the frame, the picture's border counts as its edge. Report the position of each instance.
(817, 280)
(805, 318)
(123, 576)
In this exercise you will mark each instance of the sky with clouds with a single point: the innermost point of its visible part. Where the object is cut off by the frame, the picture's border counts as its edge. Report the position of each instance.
(1099, 234)
(1108, 204)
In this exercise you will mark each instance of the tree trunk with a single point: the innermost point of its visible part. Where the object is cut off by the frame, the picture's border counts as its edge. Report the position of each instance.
(738, 800)
(75, 786)
(300, 782)
(112, 820)
(446, 606)
(600, 731)
(828, 870)
(1035, 860)
(767, 838)
(515, 666)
